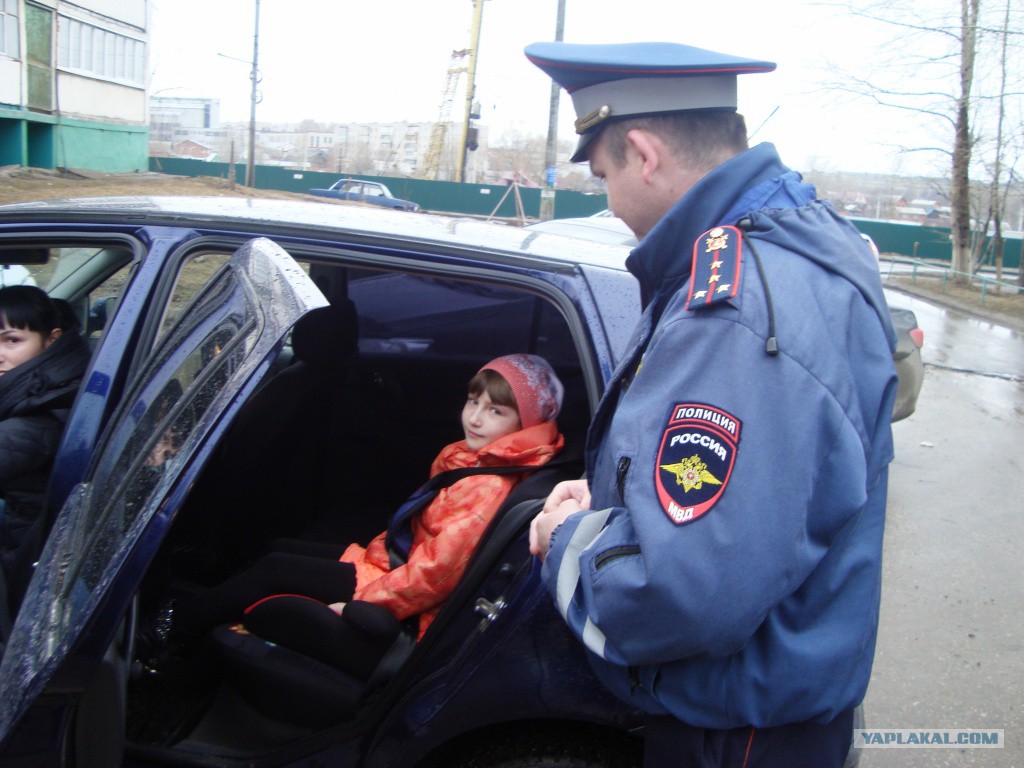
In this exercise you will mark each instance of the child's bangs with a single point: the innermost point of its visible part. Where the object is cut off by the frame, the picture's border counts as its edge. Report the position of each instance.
(496, 387)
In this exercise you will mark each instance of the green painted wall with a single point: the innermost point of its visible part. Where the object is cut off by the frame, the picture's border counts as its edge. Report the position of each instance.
(12, 142)
(45, 141)
(40, 145)
(446, 196)
(102, 147)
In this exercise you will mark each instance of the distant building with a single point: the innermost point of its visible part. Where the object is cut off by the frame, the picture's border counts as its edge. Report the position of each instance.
(170, 118)
(193, 149)
(174, 121)
(73, 84)
(385, 149)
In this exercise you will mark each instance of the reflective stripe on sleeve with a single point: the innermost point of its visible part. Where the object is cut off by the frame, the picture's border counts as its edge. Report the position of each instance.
(593, 638)
(587, 532)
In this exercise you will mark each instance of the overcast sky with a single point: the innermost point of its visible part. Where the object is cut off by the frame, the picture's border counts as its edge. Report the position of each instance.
(344, 61)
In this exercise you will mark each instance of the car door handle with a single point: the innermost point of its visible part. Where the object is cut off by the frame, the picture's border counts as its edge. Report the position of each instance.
(489, 610)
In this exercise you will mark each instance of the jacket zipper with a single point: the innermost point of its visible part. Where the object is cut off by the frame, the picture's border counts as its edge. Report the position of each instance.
(620, 477)
(615, 553)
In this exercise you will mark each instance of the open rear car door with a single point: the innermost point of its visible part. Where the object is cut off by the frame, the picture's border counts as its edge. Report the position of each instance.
(63, 672)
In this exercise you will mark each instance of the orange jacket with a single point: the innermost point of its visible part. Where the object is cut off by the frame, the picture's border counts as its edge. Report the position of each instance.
(446, 533)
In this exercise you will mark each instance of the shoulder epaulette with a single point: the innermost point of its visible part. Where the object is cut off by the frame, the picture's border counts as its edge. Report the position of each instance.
(715, 275)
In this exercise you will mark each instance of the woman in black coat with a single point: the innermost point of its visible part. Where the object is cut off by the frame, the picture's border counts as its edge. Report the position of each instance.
(42, 359)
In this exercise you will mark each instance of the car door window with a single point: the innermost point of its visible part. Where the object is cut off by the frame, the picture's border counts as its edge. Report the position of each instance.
(415, 314)
(193, 275)
(231, 326)
(89, 277)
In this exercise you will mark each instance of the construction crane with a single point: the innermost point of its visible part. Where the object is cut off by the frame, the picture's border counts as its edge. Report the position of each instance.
(432, 163)
(456, 68)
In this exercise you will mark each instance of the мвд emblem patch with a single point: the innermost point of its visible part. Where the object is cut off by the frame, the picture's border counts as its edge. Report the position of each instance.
(695, 460)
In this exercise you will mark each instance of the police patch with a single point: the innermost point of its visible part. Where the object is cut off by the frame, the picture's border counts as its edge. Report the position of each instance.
(695, 460)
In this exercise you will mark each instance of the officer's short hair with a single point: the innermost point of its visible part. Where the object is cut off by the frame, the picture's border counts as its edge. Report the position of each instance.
(702, 139)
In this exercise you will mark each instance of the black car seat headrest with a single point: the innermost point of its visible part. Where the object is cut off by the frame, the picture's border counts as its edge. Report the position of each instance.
(327, 337)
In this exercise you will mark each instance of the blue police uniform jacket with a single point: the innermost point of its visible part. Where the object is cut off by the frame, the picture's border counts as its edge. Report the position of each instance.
(728, 571)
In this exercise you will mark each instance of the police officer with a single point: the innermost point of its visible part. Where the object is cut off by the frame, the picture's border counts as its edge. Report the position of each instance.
(722, 565)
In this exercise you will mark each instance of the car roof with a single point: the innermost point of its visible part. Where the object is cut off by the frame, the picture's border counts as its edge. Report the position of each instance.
(296, 217)
(598, 228)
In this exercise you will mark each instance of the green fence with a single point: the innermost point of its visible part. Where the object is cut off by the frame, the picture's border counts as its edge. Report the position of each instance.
(921, 242)
(446, 196)
(911, 240)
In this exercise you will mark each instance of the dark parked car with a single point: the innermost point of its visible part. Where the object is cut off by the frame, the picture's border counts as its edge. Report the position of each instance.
(909, 365)
(366, 192)
(200, 434)
(604, 227)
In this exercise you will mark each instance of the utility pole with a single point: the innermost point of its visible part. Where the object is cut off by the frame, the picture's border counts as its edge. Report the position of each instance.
(474, 45)
(547, 192)
(250, 167)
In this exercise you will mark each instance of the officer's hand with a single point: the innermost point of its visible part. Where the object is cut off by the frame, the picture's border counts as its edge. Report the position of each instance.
(577, 490)
(544, 525)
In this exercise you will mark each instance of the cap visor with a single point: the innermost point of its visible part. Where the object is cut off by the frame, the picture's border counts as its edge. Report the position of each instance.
(580, 155)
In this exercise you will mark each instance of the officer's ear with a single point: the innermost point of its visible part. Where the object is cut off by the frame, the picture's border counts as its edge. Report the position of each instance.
(649, 151)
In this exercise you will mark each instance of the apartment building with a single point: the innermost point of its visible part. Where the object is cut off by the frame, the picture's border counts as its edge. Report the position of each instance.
(73, 84)
(385, 149)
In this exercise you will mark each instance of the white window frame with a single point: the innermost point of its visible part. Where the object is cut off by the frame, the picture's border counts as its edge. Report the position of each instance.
(87, 49)
(10, 29)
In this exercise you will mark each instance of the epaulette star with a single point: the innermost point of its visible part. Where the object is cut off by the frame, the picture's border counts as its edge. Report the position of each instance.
(715, 275)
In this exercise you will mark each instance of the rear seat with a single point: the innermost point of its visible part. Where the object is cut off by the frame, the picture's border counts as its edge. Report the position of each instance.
(312, 445)
(294, 688)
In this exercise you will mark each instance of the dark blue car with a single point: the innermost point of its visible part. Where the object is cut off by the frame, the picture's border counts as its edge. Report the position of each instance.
(202, 433)
(364, 191)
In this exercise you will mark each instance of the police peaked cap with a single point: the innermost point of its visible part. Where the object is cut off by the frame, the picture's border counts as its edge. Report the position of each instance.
(616, 81)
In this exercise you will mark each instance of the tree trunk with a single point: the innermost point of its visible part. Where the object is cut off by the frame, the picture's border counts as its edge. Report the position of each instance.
(997, 248)
(961, 178)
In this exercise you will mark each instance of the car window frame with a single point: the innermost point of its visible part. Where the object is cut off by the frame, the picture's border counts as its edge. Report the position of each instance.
(388, 259)
(79, 239)
(210, 426)
(428, 259)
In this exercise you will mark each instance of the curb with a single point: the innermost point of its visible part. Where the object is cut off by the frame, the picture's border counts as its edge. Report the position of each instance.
(973, 310)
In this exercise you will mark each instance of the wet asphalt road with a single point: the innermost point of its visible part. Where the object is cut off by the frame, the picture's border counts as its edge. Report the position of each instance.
(951, 643)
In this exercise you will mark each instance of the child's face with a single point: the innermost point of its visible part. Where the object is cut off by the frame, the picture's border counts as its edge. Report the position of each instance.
(19, 345)
(484, 422)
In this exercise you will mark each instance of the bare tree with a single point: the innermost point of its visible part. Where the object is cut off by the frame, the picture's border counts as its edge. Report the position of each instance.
(360, 159)
(963, 141)
(1000, 191)
(929, 66)
(518, 154)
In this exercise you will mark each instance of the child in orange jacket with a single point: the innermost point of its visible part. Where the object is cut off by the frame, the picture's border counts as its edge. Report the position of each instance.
(295, 597)
(508, 420)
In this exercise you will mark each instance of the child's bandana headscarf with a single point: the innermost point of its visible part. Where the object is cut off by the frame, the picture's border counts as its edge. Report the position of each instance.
(537, 390)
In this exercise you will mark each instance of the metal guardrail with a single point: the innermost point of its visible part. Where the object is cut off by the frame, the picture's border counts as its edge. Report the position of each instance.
(916, 266)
